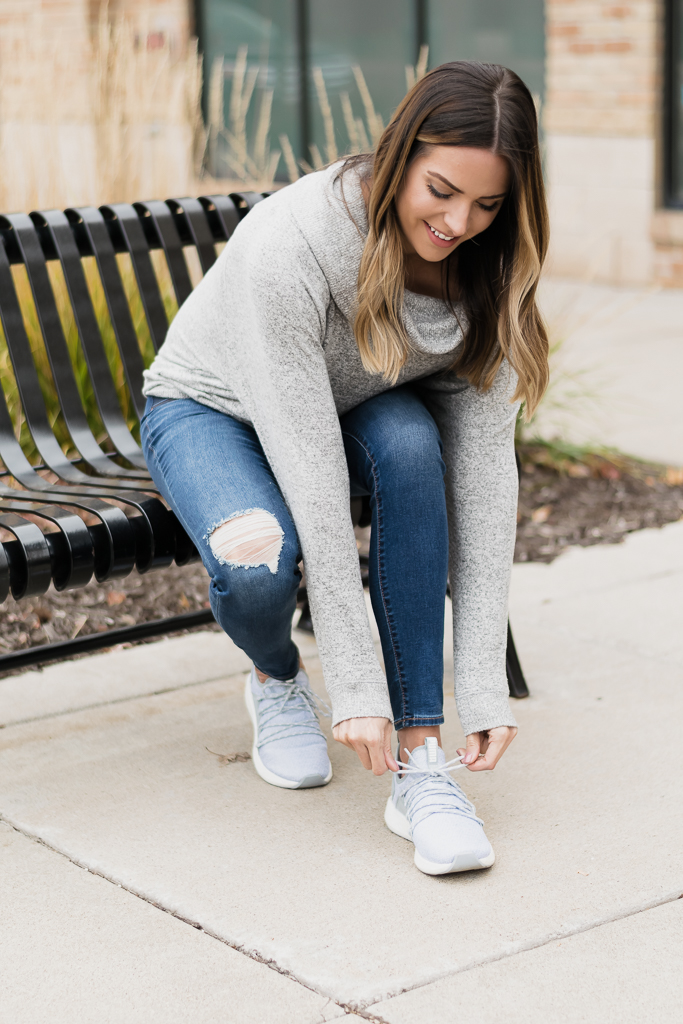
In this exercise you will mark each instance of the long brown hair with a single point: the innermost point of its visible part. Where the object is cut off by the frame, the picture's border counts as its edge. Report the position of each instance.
(484, 106)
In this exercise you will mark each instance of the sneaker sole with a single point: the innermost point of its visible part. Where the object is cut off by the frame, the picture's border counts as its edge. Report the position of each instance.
(309, 782)
(400, 826)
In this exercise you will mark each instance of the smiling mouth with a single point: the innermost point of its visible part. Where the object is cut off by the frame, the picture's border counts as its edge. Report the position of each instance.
(444, 238)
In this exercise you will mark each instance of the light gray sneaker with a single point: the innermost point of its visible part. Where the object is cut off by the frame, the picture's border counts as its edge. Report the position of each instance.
(289, 747)
(429, 808)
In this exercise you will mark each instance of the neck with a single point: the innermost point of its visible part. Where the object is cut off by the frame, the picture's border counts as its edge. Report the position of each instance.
(426, 278)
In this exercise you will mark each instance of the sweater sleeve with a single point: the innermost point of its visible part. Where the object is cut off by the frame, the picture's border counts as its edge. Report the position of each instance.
(274, 359)
(477, 430)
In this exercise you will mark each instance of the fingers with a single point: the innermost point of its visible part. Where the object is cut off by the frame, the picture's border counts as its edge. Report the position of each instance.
(371, 740)
(377, 758)
(498, 740)
(388, 756)
(473, 748)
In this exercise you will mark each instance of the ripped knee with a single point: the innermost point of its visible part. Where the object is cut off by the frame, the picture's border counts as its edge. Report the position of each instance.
(248, 539)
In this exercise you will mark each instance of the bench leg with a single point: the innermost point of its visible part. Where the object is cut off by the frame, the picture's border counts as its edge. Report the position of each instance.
(305, 621)
(516, 681)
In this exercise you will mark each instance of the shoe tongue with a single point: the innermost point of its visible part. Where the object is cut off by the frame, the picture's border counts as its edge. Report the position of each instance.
(302, 679)
(421, 758)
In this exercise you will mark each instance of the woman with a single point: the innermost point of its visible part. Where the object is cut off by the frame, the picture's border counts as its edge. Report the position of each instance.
(370, 330)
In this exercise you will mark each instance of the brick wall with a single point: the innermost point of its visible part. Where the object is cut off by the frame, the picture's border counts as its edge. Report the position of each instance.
(88, 117)
(163, 20)
(602, 117)
(602, 67)
(159, 20)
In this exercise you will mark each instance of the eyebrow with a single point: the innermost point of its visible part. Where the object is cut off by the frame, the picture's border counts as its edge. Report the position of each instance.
(459, 190)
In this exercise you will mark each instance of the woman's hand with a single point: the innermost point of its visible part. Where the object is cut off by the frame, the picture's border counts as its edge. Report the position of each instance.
(492, 743)
(371, 739)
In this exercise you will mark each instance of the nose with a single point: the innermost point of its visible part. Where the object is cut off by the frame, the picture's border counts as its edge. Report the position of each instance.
(457, 218)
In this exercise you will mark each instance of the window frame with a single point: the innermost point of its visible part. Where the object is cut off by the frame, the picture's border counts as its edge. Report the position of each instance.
(672, 126)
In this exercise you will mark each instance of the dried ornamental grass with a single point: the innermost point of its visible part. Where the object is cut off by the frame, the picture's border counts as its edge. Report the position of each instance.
(87, 121)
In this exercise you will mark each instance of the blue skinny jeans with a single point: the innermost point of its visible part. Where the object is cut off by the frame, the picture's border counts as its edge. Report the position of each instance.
(210, 467)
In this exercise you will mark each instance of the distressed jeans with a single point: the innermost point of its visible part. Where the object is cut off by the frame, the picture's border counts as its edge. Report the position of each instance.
(212, 471)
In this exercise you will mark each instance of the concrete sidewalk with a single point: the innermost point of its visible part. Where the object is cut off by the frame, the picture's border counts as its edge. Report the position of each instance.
(617, 374)
(210, 896)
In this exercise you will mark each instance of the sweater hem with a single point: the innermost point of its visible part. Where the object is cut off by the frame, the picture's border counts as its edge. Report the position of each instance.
(370, 700)
(482, 711)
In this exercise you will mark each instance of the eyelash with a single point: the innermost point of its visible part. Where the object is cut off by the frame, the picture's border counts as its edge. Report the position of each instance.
(437, 195)
(441, 195)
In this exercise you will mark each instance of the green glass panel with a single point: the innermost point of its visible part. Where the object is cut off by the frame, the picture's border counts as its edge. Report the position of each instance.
(507, 32)
(268, 29)
(376, 35)
(677, 105)
(379, 37)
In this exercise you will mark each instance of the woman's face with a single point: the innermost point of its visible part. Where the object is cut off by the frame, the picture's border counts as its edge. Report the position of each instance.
(451, 193)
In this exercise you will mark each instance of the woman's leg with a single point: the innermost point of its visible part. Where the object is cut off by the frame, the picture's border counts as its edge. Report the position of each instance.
(394, 453)
(212, 471)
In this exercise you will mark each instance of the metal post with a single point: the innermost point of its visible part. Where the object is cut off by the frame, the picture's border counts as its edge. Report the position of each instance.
(670, 109)
(420, 26)
(303, 56)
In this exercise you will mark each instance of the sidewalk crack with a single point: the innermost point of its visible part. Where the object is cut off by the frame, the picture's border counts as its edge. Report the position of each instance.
(362, 1008)
(252, 954)
(525, 947)
(120, 700)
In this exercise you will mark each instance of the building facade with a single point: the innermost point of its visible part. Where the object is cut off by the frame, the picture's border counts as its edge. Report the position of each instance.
(295, 45)
(607, 140)
(608, 79)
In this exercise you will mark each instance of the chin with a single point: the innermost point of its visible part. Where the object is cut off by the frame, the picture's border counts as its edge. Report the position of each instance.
(437, 257)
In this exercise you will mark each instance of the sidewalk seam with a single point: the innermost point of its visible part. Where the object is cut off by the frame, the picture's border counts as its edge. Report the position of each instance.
(526, 947)
(120, 700)
(125, 700)
(362, 1008)
(252, 954)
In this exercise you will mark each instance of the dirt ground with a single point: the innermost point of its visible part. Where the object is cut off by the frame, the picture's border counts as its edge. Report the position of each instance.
(582, 504)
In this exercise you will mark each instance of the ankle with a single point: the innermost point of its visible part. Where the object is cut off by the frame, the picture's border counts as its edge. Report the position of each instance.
(263, 676)
(415, 736)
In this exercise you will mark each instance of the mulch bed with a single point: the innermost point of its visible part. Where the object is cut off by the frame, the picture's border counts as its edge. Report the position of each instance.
(597, 500)
(594, 501)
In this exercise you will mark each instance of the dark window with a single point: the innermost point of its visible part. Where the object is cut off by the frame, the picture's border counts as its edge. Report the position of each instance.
(266, 32)
(308, 52)
(673, 106)
(507, 32)
(378, 36)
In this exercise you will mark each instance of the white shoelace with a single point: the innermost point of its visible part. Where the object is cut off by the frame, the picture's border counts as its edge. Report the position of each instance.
(435, 793)
(293, 697)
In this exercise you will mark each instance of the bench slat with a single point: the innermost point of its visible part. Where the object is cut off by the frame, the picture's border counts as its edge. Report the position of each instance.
(127, 236)
(91, 222)
(30, 566)
(58, 353)
(160, 218)
(72, 557)
(27, 379)
(191, 213)
(57, 224)
(222, 214)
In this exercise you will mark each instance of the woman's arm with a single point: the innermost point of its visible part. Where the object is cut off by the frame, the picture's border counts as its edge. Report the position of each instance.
(477, 429)
(273, 359)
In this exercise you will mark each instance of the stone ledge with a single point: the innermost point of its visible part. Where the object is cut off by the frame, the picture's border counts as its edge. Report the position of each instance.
(667, 227)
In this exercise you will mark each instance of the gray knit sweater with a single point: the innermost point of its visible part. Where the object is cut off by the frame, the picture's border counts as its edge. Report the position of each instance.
(267, 337)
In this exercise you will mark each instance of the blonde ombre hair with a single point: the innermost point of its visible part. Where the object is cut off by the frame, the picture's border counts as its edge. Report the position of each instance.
(475, 105)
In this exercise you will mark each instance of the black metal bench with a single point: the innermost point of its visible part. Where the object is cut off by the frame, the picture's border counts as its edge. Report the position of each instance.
(100, 512)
